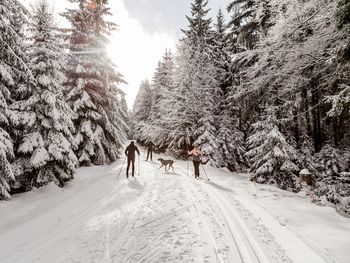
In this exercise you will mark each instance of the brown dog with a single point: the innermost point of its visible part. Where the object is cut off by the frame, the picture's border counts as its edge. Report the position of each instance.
(165, 163)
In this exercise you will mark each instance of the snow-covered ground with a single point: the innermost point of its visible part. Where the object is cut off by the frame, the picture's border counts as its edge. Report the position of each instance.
(164, 217)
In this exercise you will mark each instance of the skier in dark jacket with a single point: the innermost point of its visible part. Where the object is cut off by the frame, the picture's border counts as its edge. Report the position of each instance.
(130, 153)
(149, 146)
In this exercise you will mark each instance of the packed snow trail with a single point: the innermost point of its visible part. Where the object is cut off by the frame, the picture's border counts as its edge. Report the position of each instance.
(155, 217)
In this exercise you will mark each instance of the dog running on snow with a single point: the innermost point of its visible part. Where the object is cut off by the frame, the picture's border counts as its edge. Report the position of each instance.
(165, 163)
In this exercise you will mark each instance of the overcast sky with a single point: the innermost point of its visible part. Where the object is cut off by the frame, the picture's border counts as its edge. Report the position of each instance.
(146, 29)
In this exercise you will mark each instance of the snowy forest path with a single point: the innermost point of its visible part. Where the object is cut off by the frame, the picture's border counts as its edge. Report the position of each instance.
(236, 231)
(158, 216)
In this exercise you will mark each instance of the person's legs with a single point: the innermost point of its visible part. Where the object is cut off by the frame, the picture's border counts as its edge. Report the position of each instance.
(133, 166)
(196, 168)
(127, 168)
(151, 154)
(148, 155)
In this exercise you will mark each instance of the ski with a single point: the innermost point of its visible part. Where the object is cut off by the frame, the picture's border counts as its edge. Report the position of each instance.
(203, 178)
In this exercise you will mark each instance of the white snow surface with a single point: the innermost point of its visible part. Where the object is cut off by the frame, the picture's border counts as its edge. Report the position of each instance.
(160, 216)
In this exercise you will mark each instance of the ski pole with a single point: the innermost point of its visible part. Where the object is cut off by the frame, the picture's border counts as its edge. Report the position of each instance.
(139, 166)
(205, 171)
(187, 165)
(188, 158)
(121, 168)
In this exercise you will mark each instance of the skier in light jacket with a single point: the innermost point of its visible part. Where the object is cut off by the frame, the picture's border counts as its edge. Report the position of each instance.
(196, 157)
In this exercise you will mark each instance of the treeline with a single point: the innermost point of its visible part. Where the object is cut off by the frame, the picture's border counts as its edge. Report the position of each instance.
(60, 105)
(266, 92)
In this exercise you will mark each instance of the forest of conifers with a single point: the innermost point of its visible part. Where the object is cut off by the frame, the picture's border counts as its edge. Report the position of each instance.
(60, 105)
(267, 91)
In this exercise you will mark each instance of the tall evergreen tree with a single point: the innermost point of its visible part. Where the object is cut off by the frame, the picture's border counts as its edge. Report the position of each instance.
(229, 139)
(125, 112)
(333, 184)
(221, 53)
(45, 148)
(162, 83)
(143, 102)
(196, 88)
(198, 32)
(93, 80)
(273, 159)
(196, 91)
(163, 86)
(250, 18)
(231, 143)
(14, 73)
(142, 111)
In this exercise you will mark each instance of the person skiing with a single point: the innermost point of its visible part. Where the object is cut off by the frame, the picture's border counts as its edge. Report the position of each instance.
(130, 153)
(196, 153)
(149, 146)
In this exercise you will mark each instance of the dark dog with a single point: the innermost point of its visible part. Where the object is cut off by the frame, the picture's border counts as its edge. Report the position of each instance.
(165, 163)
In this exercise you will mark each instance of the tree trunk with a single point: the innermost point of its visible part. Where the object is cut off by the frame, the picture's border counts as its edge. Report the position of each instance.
(305, 109)
(296, 128)
(316, 115)
(336, 129)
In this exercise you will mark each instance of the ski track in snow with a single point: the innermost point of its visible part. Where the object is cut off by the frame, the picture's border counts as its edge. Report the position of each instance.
(156, 217)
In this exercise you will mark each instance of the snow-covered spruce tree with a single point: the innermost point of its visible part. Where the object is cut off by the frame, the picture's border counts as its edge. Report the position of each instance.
(151, 104)
(192, 117)
(93, 80)
(249, 20)
(330, 163)
(14, 74)
(206, 84)
(221, 54)
(141, 112)
(343, 205)
(143, 102)
(196, 89)
(125, 112)
(45, 150)
(199, 30)
(6, 155)
(247, 27)
(180, 118)
(272, 158)
(231, 144)
(230, 140)
(14, 36)
(333, 185)
(163, 86)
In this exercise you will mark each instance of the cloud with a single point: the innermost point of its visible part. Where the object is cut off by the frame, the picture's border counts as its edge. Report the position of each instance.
(159, 15)
(169, 16)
